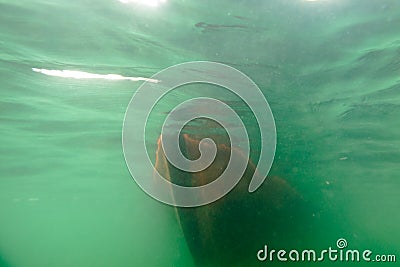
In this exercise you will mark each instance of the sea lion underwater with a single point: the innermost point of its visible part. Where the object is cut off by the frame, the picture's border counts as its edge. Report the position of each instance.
(231, 230)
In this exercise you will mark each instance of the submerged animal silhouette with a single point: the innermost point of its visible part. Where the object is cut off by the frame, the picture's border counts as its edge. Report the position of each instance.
(232, 229)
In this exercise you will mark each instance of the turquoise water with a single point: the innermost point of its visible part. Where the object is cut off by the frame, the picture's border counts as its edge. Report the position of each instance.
(329, 69)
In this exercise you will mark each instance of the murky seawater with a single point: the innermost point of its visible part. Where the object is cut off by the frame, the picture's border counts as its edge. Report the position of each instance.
(329, 69)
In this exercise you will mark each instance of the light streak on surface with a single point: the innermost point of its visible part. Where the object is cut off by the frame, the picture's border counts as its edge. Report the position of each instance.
(86, 75)
(152, 3)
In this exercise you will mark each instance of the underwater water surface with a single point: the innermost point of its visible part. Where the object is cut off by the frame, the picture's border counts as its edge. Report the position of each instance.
(330, 70)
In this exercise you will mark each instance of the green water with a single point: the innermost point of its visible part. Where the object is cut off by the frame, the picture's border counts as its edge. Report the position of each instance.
(329, 69)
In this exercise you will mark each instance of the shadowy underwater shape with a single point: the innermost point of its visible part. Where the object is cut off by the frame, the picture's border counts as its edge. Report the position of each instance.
(232, 229)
